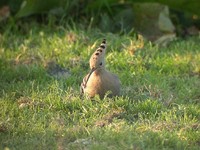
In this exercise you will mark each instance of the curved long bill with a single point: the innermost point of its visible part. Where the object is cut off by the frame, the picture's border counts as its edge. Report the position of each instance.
(91, 71)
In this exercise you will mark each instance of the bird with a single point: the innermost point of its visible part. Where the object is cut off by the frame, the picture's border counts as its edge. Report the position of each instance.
(99, 81)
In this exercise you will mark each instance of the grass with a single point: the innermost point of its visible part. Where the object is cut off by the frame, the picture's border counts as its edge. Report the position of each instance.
(41, 68)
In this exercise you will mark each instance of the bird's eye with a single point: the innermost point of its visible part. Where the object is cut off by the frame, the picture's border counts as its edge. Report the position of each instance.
(100, 64)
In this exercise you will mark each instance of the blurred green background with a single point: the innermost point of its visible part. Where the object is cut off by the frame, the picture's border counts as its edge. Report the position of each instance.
(152, 18)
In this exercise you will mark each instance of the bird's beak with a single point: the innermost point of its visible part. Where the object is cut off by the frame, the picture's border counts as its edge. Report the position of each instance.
(92, 70)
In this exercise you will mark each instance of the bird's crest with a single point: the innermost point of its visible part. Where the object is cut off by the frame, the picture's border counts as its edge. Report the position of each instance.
(98, 57)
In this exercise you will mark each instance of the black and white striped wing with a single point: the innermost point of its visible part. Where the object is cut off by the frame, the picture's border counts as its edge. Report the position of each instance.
(83, 84)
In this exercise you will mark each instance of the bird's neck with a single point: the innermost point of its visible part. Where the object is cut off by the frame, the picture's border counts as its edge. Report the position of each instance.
(99, 71)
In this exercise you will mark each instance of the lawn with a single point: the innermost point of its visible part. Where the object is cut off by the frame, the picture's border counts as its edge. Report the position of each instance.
(42, 66)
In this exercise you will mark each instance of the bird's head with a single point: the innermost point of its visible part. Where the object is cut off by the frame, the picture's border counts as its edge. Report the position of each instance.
(97, 59)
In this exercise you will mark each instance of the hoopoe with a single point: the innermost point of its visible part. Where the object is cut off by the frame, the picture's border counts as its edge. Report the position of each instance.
(99, 81)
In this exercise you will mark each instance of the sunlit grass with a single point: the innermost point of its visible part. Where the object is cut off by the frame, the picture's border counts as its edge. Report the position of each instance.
(158, 109)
